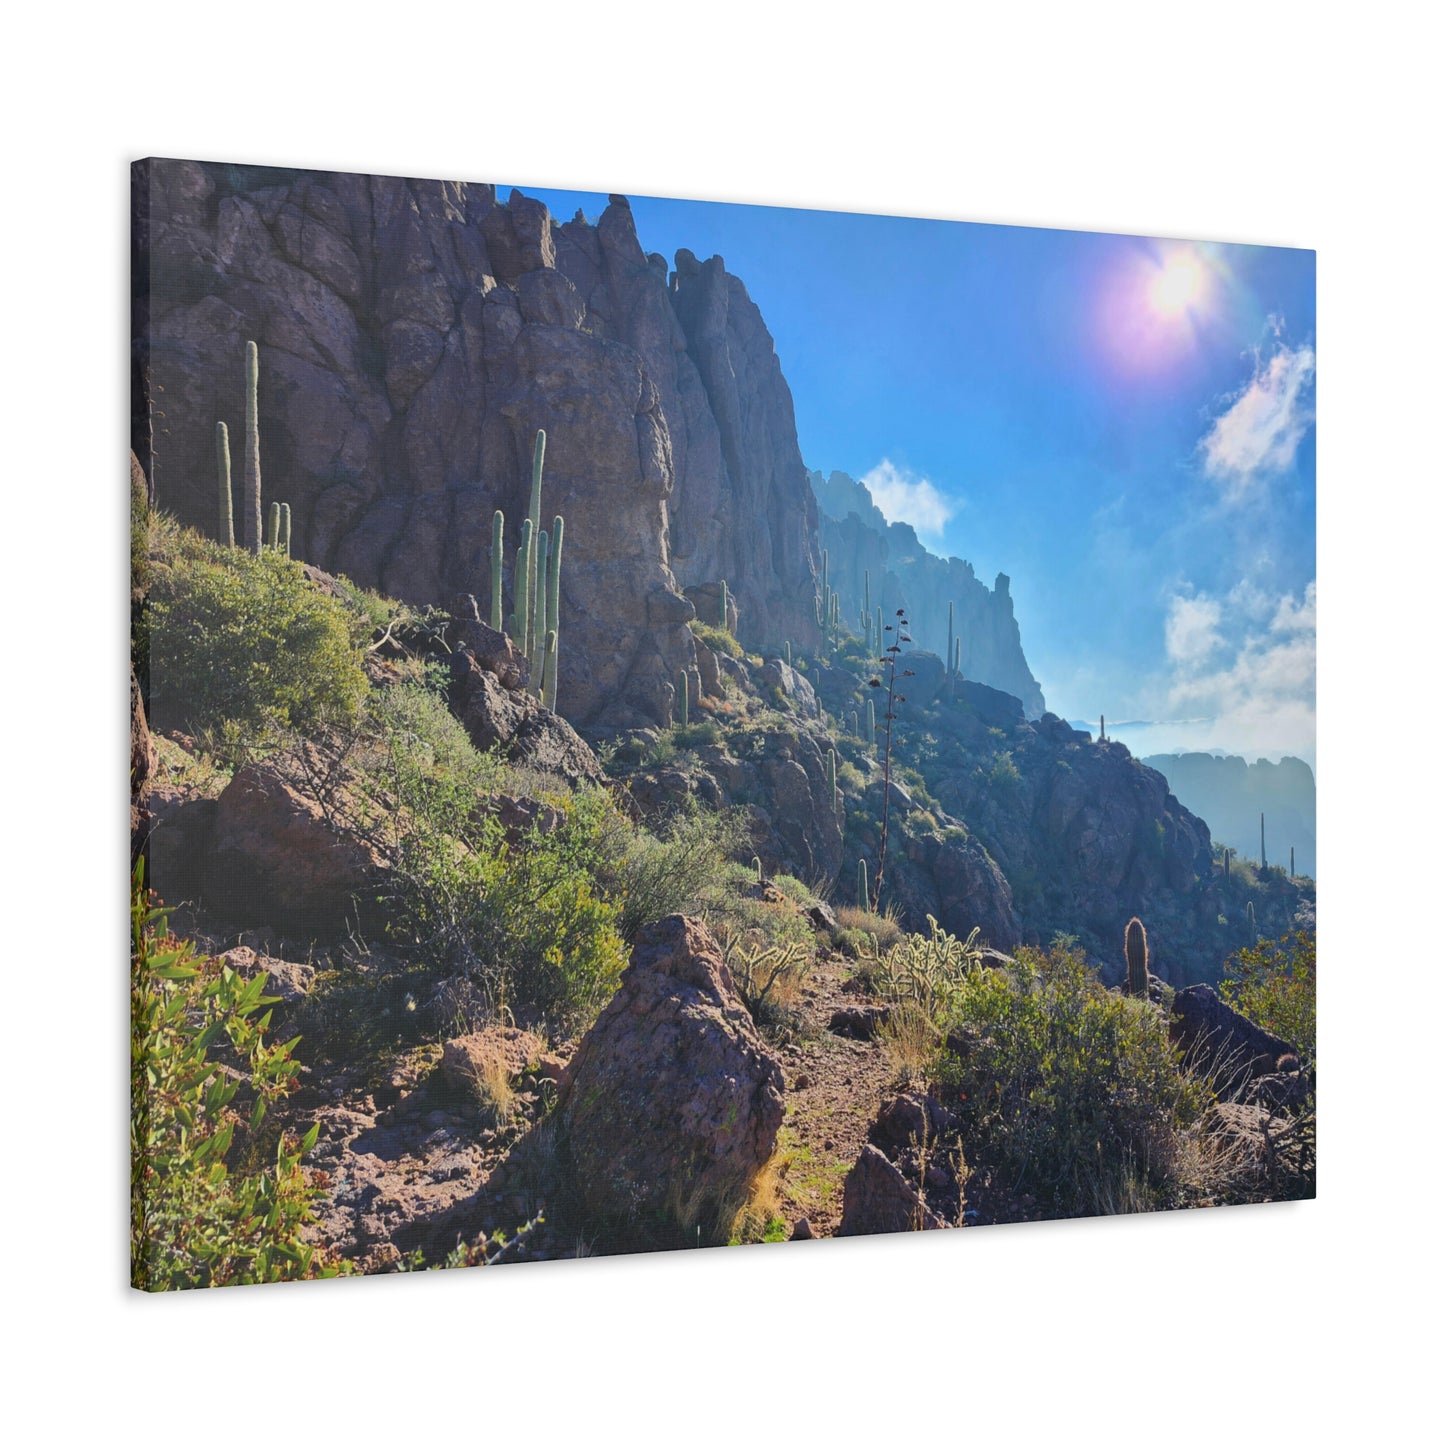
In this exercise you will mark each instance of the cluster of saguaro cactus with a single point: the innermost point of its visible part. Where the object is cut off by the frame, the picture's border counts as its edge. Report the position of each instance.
(536, 585)
(277, 533)
(1136, 956)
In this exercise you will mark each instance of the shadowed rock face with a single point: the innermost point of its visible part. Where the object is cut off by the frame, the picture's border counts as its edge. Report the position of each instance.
(413, 336)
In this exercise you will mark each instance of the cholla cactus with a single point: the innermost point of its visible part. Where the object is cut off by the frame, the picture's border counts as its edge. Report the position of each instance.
(226, 528)
(1136, 956)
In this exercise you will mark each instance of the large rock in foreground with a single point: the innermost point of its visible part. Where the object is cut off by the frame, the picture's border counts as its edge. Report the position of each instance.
(275, 859)
(1211, 1033)
(671, 1104)
(877, 1199)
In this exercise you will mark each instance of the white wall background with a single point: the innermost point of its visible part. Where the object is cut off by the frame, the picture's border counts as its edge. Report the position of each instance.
(1256, 122)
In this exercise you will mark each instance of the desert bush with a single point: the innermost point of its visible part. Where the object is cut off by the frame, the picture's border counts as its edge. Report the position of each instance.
(1076, 1087)
(717, 638)
(1273, 985)
(673, 869)
(195, 1222)
(242, 646)
(883, 928)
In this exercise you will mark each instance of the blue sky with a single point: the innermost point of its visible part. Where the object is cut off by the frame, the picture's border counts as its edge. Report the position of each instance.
(1123, 425)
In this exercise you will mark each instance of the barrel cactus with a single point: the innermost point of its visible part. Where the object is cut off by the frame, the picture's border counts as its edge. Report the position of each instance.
(1136, 956)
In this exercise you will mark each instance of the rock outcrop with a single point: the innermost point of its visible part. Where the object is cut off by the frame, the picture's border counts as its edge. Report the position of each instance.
(877, 1199)
(671, 1104)
(903, 573)
(274, 858)
(1219, 1037)
(413, 336)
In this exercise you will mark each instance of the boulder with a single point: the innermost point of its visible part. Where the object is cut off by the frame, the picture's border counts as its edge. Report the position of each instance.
(1208, 1030)
(275, 859)
(790, 684)
(671, 1104)
(496, 714)
(877, 1199)
(473, 1056)
(859, 1023)
(912, 1118)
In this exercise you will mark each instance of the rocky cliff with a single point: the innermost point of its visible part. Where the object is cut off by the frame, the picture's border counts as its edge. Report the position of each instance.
(903, 573)
(413, 336)
(1231, 794)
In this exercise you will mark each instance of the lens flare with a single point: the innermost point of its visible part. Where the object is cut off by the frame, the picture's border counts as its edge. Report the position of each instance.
(1178, 285)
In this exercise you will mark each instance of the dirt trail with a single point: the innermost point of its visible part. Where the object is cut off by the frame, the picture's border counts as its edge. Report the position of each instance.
(834, 1087)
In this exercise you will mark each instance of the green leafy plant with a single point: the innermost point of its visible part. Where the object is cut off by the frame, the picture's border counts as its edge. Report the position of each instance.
(1273, 984)
(196, 1221)
(242, 645)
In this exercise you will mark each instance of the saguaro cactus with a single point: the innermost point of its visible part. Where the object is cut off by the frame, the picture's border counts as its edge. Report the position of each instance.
(1253, 923)
(863, 885)
(226, 526)
(534, 515)
(788, 653)
(499, 522)
(549, 672)
(833, 782)
(948, 656)
(273, 526)
(521, 617)
(285, 543)
(1102, 737)
(251, 519)
(543, 544)
(1136, 956)
(1291, 860)
(723, 606)
(872, 725)
(1263, 862)
(957, 656)
(758, 865)
(554, 579)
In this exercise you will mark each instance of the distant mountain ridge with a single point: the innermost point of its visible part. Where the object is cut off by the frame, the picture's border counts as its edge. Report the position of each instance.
(902, 572)
(1230, 794)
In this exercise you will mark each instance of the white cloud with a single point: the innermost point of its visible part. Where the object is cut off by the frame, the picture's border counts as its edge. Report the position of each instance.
(1259, 696)
(1265, 423)
(904, 497)
(1191, 631)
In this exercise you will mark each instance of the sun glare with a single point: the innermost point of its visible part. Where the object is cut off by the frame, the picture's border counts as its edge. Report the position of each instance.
(1177, 285)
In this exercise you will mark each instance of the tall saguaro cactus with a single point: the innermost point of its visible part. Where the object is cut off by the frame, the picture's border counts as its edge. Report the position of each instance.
(499, 522)
(542, 541)
(521, 612)
(723, 605)
(863, 885)
(534, 515)
(1136, 956)
(226, 526)
(251, 520)
(1263, 862)
(273, 526)
(872, 725)
(285, 540)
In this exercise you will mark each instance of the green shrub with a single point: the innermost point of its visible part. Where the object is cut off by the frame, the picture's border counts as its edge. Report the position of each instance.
(195, 1222)
(674, 869)
(1273, 985)
(242, 645)
(1078, 1089)
(719, 639)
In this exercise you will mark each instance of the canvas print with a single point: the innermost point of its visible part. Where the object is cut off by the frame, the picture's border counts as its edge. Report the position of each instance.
(658, 724)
